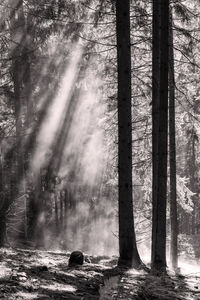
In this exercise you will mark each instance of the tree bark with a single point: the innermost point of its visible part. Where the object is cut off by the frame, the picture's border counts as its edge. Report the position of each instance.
(192, 168)
(2, 228)
(155, 114)
(159, 212)
(2, 202)
(3, 210)
(127, 240)
(21, 76)
(17, 23)
(172, 152)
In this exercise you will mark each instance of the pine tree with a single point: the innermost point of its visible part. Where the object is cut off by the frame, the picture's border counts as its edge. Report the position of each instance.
(127, 241)
(155, 112)
(159, 203)
(172, 153)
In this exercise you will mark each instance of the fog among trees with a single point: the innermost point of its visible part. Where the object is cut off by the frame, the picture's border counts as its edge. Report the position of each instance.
(99, 139)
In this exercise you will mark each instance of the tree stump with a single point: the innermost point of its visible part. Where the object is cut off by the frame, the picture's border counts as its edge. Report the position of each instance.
(76, 258)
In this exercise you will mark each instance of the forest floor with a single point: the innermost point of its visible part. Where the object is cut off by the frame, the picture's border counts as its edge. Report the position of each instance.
(35, 274)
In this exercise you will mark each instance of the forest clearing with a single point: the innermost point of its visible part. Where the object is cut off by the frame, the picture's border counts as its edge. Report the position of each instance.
(100, 149)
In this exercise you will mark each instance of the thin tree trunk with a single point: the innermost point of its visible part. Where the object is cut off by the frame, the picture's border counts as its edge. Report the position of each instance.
(193, 180)
(61, 212)
(2, 201)
(56, 215)
(159, 234)
(127, 241)
(2, 228)
(155, 115)
(172, 152)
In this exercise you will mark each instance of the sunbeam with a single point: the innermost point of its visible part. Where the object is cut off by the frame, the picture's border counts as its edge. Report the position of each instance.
(56, 111)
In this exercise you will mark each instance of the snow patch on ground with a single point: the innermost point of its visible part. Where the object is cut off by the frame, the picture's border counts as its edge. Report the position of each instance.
(23, 295)
(60, 287)
(189, 268)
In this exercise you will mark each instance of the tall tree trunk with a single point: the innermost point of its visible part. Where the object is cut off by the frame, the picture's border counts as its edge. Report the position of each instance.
(17, 23)
(172, 153)
(2, 203)
(127, 241)
(21, 75)
(2, 228)
(155, 114)
(3, 211)
(16, 37)
(159, 217)
(192, 175)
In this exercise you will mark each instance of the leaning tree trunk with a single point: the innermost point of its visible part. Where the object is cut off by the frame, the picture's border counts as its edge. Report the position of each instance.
(159, 212)
(127, 241)
(172, 153)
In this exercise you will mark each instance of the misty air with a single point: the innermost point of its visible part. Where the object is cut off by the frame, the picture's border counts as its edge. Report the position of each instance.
(99, 149)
